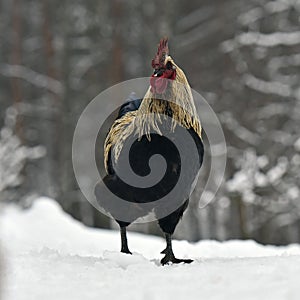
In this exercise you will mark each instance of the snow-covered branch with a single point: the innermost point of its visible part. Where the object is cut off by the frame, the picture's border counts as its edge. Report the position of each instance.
(264, 10)
(254, 38)
(13, 155)
(33, 77)
(240, 131)
(267, 87)
(269, 40)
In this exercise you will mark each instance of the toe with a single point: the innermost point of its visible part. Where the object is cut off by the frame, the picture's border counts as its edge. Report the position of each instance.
(126, 251)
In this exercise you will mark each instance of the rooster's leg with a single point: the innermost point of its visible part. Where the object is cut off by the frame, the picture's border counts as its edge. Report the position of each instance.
(124, 248)
(169, 255)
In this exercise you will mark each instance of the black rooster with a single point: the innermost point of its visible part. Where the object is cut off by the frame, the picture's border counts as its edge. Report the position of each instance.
(156, 122)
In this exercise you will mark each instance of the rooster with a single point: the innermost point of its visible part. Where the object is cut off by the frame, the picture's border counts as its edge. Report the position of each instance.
(166, 109)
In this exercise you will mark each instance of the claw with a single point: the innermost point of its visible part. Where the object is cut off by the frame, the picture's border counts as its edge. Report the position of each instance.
(172, 259)
(169, 254)
(126, 251)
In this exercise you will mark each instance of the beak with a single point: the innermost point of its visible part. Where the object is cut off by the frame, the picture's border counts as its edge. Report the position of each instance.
(158, 72)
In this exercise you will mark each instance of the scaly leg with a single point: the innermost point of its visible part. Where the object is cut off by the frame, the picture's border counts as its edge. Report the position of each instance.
(124, 248)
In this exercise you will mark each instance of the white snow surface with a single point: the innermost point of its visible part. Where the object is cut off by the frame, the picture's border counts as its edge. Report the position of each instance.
(48, 255)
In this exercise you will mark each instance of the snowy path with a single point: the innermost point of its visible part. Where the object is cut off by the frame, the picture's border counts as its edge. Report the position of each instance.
(48, 255)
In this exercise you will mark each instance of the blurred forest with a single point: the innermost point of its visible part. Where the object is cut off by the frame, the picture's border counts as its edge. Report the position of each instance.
(243, 56)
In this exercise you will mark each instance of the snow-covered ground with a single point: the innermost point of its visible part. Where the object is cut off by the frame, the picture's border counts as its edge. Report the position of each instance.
(48, 255)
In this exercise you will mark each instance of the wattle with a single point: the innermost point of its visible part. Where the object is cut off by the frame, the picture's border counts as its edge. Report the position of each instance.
(159, 84)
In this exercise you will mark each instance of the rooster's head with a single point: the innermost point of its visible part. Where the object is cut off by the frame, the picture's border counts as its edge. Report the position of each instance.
(164, 68)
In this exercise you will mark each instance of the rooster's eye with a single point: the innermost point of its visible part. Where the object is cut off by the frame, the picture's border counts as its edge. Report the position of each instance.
(169, 65)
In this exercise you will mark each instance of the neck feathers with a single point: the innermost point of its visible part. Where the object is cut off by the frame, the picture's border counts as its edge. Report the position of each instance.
(177, 101)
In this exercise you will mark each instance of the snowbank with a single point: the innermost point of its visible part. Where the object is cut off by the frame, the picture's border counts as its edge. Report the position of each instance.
(48, 255)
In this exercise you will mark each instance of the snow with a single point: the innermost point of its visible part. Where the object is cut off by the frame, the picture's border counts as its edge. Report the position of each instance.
(48, 255)
(297, 145)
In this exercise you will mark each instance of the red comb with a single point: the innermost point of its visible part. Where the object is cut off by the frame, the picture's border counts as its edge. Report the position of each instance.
(162, 52)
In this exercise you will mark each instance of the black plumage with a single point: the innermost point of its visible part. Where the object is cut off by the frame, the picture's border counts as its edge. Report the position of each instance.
(141, 151)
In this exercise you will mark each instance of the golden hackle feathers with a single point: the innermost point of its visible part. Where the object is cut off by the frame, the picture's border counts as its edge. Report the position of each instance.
(115, 133)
